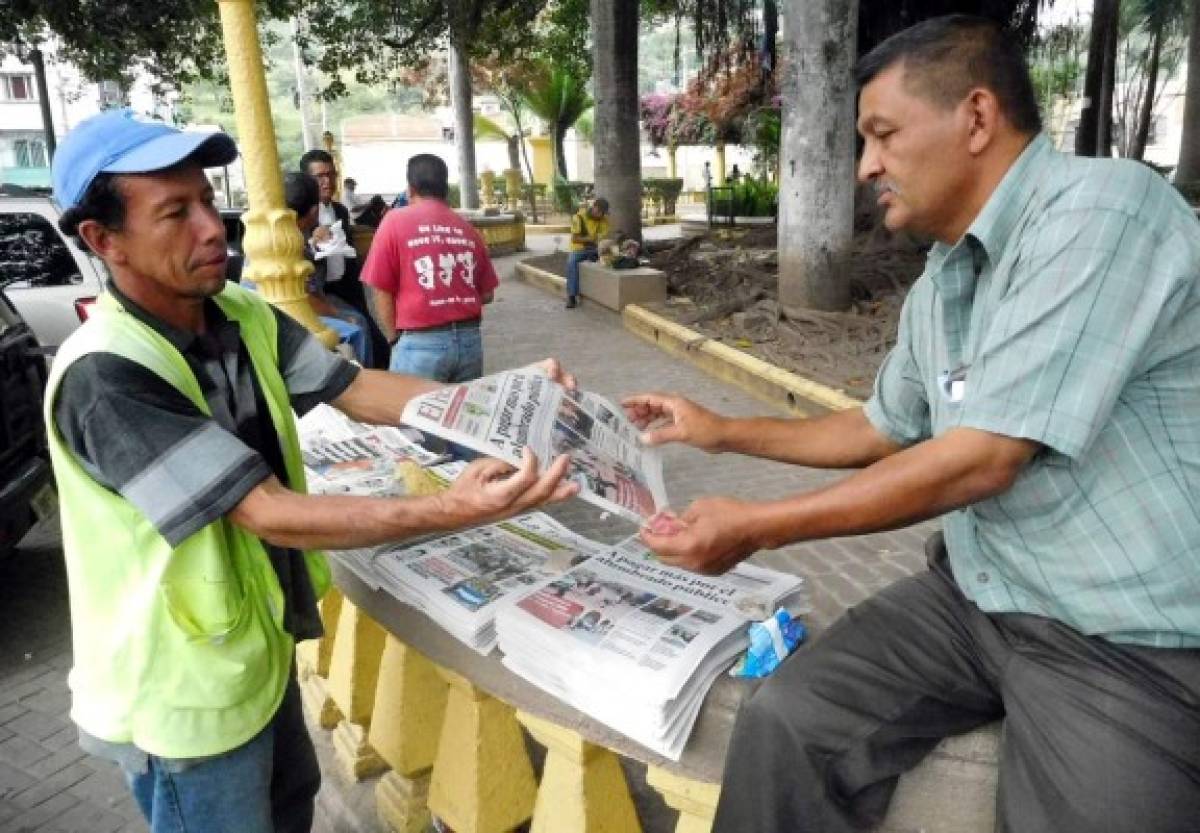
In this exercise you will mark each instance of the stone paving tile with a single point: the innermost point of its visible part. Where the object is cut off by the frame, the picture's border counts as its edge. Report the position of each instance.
(41, 818)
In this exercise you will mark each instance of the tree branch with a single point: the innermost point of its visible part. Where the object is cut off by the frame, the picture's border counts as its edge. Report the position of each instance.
(416, 34)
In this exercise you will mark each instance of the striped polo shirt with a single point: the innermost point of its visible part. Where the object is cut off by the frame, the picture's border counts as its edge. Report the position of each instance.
(1069, 314)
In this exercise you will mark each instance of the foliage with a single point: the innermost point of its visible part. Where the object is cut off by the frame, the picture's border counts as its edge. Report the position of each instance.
(764, 130)
(1152, 46)
(569, 195)
(172, 41)
(1056, 64)
(748, 197)
(655, 111)
(732, 85)
(663, 190)
(585, 126)
(557, 98)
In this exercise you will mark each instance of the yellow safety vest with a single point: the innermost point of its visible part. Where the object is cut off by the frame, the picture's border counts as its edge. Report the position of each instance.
(178, 650)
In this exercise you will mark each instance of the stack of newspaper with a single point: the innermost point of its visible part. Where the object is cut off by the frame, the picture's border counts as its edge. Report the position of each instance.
(634, 643)
(461, 580)
(342, 456)
(501, 414)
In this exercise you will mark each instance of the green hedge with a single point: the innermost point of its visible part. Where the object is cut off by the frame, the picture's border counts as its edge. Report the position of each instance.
(664, 190)
(750, 198)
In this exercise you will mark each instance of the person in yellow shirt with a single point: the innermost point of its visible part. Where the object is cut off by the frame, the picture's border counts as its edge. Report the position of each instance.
(588, 227)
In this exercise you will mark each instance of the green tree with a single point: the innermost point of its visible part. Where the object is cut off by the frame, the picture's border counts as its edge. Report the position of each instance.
(398, 35)
(1152, 46)
(173, 41)
(559, 99)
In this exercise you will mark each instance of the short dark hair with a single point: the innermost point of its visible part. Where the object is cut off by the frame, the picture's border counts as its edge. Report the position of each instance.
(315, 155)
(601, 203)
(945, 57)
(102, 202)
(428, 176)
(350, 182)
(301, 192)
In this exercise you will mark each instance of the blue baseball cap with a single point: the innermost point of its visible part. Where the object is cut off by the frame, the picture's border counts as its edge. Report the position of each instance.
(119, 142)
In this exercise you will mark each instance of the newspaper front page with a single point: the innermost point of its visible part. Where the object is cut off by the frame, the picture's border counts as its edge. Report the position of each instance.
(461, 580)
(500, 415)
(634, 643)
(344, 457)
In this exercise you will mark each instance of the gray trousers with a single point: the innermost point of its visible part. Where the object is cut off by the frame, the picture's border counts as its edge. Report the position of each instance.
(1098, 737)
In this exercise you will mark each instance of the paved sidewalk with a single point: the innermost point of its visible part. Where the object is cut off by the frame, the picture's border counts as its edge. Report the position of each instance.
(47, 784)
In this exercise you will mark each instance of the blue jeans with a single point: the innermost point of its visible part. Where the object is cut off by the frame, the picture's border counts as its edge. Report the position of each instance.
(267, 785)
(573, 261)
(442, 355)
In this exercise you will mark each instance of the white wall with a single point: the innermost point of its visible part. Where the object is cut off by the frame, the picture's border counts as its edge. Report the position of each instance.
(379, 166)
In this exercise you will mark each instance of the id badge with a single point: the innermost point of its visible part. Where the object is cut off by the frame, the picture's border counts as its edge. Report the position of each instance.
(953, 383)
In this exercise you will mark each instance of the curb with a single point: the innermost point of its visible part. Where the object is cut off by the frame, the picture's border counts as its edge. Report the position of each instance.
(530, 228)
(542, 279)
(753, 375)
(764, 380)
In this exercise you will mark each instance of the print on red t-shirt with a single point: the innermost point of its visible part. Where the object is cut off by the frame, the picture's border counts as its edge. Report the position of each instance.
(433, 262)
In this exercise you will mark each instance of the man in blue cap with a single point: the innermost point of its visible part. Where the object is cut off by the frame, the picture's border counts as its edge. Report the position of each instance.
(189, 540)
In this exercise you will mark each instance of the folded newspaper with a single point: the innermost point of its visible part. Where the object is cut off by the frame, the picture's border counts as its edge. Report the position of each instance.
(637, 644)
(461, 580)
(342, 456)
(500, 415)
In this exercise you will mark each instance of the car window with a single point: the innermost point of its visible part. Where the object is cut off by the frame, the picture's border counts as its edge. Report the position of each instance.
(33, 253)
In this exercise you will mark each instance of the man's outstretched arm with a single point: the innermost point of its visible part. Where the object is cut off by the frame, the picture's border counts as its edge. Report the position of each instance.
(841, 440)
(487, 491)
(961, 467)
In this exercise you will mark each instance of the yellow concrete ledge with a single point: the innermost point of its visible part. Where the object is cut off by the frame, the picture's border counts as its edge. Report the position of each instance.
(764, 380)
(542, 279)
(547, 228)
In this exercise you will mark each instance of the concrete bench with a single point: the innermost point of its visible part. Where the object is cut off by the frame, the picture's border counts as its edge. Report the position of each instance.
(615, 288)
(952, 791)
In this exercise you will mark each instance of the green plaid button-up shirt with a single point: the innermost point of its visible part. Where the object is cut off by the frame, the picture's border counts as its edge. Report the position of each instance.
(1069, 313)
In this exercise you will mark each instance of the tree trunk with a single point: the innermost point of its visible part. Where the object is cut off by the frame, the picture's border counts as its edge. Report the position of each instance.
(533, 212)
(464, 123)
(618, 157)
(559, 134)
(514, 152)
(1086, 137)
(1108, 75)
(816, 189)
(1189, 149)
(1146, 112)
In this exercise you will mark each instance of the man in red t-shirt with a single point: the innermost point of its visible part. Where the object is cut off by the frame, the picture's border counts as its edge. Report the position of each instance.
(432, 275)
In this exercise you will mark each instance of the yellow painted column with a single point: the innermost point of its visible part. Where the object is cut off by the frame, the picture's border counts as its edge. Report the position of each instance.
(482, 779)
(583, 787)
(273, 245)
(487, 185)
(719, 173)
(353, 678)
(543, 159)
(312, 665)
(410, 701)
(512, 187)
(696, 801)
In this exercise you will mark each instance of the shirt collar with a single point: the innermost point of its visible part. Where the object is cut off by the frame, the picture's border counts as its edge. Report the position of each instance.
(182, 340)
(994, 225)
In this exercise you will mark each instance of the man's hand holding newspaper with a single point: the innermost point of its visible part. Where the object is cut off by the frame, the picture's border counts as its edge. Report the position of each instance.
(491, 490)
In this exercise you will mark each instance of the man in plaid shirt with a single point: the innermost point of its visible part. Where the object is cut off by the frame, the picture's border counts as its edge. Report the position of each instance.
(1044, 393)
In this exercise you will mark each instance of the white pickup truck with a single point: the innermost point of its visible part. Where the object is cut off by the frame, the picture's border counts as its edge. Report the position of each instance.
(44, 274)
